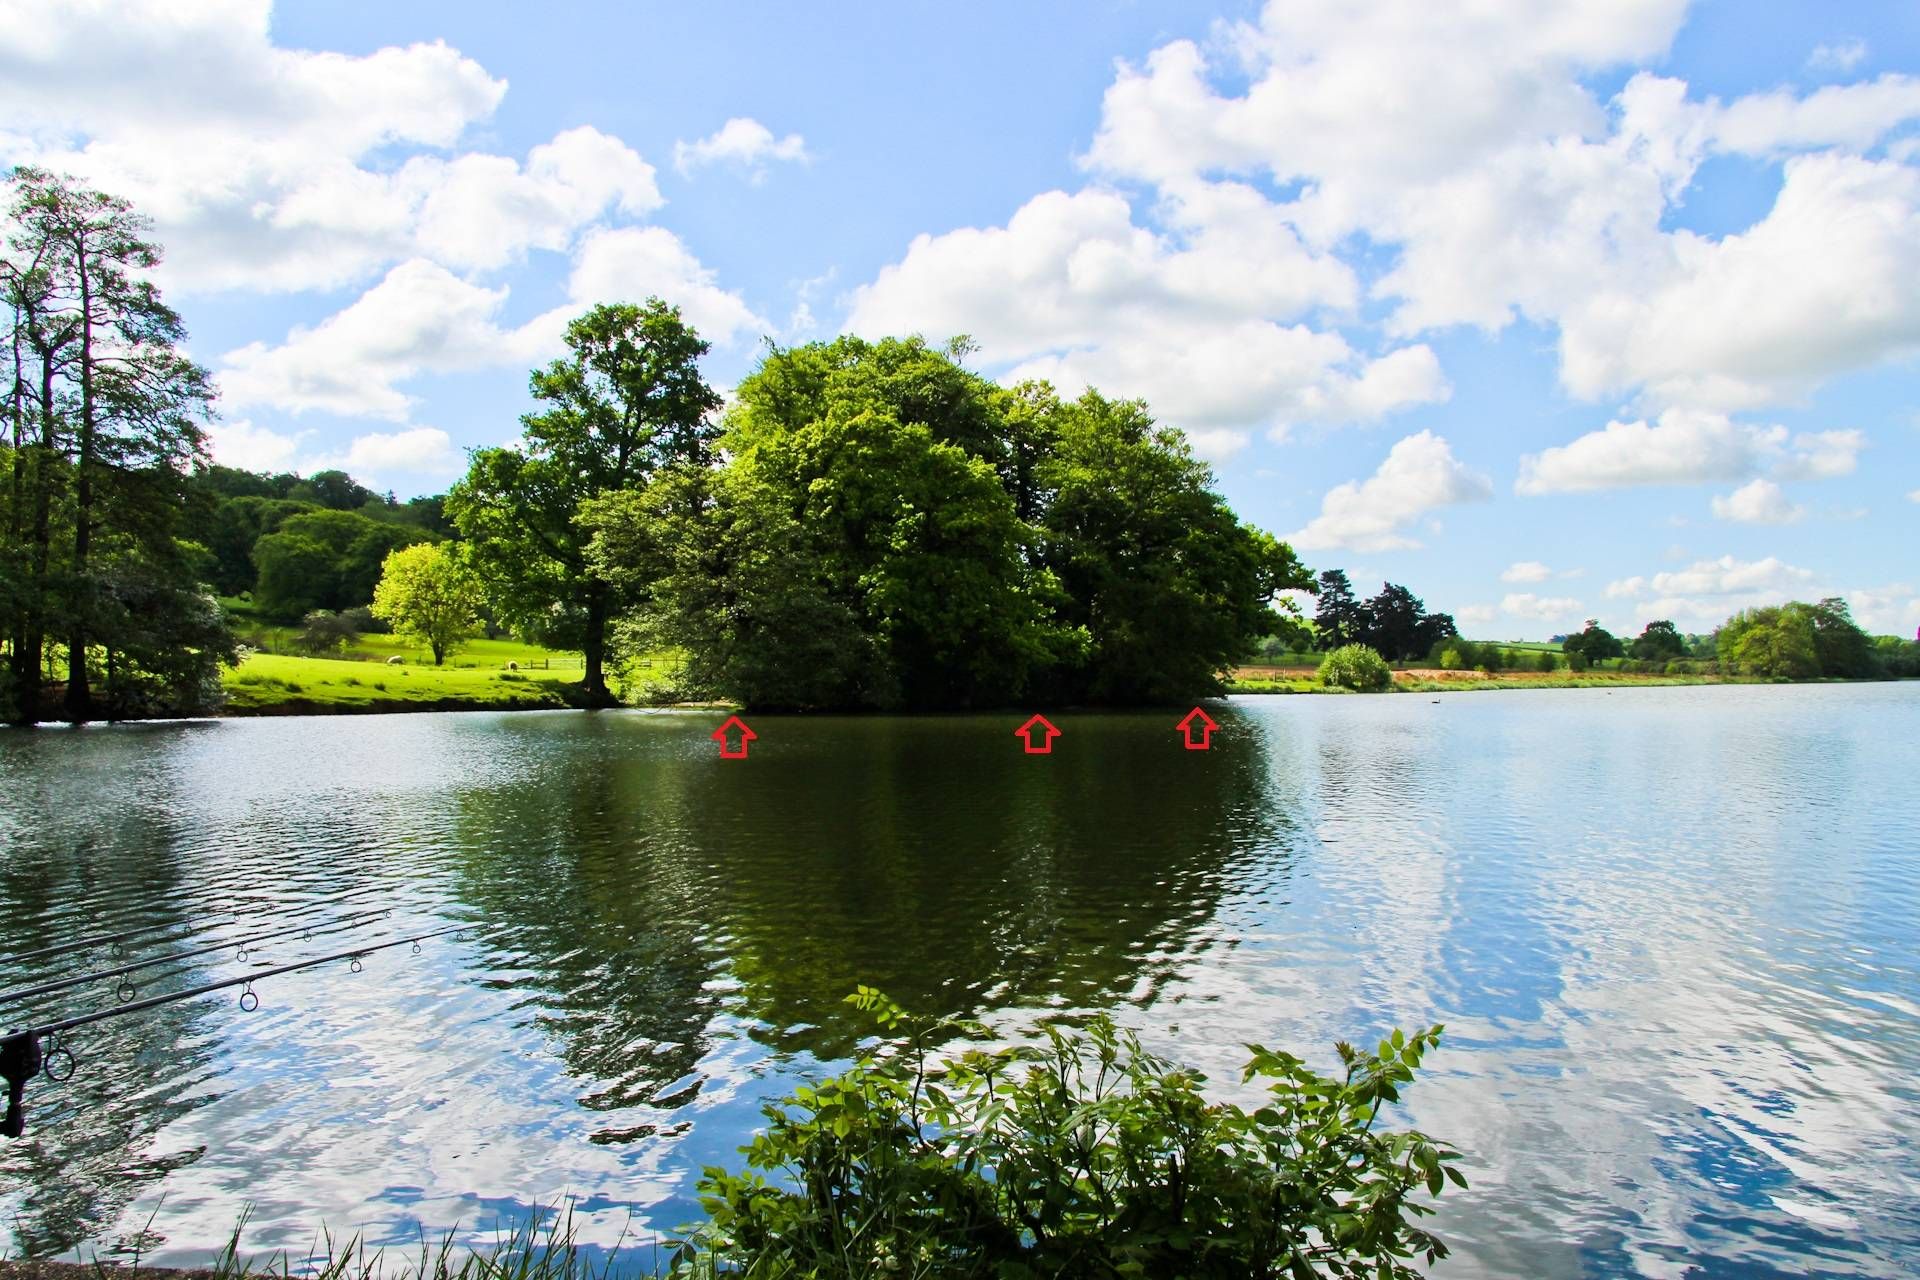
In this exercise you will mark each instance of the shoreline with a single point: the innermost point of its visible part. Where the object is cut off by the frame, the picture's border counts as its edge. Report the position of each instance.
(1418, 682)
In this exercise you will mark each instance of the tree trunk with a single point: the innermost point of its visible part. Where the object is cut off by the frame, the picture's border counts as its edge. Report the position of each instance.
(79, 697)
(593, 686)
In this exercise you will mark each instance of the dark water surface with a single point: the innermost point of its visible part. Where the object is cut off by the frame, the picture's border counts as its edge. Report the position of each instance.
(1674, 935)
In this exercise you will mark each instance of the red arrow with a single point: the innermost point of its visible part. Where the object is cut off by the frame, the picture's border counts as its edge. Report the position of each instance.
(746, 735)
(1038, 725)
(1205, 729)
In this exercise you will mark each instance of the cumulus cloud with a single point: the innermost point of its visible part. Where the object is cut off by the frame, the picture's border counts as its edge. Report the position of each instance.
(279, 173)
(1680, 448)
(1205, 319)
(423, 319)
(243, 445)
(1725, 576)
(1537, 608)
(1914, 496)
(1842, 56)
(1823, 455)
(1706, 593)
(1526, 571)
(1420, 474)
(1464, 139)
(742, 143)
(416, 457)
(1758, 502)
(420, 319)
(1686, 447)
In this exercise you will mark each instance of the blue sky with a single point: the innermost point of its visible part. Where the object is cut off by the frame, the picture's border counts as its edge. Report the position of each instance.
(1547, 310)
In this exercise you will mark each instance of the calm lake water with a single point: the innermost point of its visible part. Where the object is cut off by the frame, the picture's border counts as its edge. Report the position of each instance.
(1673, 934)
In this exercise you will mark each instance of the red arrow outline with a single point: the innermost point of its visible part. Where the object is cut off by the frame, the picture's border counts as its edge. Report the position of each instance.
(746, 735)
(1025, 732)
(1206, 732)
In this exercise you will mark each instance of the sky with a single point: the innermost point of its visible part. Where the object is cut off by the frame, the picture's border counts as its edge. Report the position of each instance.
(1547, 310)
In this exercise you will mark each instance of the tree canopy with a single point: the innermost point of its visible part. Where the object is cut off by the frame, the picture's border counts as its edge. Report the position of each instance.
(625, 403)
(890, 529)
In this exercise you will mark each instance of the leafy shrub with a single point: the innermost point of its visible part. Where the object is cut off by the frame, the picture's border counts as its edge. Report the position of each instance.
(1544, 661)
(1354, 666)
(1085, 1156)
(1450, 660)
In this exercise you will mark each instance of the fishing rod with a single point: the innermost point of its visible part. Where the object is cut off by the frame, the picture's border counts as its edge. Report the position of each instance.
(23, 1054)
(241, 947)
(127, 935)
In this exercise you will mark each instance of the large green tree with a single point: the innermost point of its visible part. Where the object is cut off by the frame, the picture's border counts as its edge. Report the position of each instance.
(322, 559)
(106, 414)
(1165, 582)
(624, 404)
(891, 529)
(427, 595)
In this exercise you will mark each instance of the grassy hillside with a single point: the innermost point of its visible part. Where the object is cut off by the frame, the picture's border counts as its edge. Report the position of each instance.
(270, 683)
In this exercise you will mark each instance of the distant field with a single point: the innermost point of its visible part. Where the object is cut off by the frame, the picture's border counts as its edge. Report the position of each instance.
(1304, 679)
(285, 684)
(265, 683)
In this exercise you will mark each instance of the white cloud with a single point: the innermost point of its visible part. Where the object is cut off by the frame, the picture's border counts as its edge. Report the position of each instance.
(250, 448)
(1464, 140)
(1914, 496)
(1758, 502)
(1525, 604)
(1526, 571)
(414, 458)
(424, 319)
(1420, 474)
(275, 172)
(1475, 615)
(1844, 56)
(1823, 455)
(628, 264)
(1204, 321)
(425, 453)
(743, 143)
(1722, 577)
(420, 319)
(1680, 448)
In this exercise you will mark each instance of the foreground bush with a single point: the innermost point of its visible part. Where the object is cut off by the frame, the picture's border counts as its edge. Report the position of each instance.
(1354, 666)
(1086, 1156)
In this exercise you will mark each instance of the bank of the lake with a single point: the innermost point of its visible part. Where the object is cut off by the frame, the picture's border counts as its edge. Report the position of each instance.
(276, 685)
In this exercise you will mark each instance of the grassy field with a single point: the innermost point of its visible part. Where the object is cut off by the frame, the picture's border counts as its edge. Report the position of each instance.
(1303, 679)
(364, 681)
(271, 683)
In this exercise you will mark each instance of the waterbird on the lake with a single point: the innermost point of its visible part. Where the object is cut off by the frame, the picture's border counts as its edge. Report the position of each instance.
(24, 1052)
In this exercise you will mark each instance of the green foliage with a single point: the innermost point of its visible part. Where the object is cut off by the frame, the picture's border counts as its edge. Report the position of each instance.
(1544, 661)
(891, 529)
(106, 415)
(1660, 641)
(1356, 667)
(1083, 1156)
(625, 403)
(1450, 659)
(324, 631)
(322, 559)
(427, 595)
(1595, 644)
(1799, 641)
(1395, 622)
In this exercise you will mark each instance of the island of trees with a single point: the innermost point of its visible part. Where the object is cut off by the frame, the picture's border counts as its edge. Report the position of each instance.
(863, 525)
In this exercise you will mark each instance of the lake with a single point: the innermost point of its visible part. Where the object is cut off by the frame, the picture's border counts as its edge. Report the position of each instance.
(1672, 934)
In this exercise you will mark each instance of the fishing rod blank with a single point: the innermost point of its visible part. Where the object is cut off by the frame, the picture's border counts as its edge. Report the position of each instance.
(21, 1055)
(127, 935)
(242, 945)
